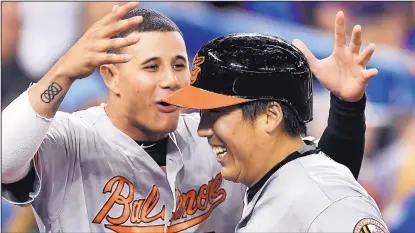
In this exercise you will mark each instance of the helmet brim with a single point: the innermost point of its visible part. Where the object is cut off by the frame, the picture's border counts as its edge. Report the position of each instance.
(196, 98)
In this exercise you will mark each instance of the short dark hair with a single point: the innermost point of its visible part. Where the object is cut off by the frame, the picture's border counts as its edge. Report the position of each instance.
(153, 21)
(292, 124)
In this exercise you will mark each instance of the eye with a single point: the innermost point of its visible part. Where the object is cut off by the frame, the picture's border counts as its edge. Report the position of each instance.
(216, 110)
(209, 112)
(220, 111)
(151, 67)
(179, 65)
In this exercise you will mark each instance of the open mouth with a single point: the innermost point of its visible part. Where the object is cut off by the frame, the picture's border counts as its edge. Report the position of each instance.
(219, 151)
(162, 103)
(166, 107)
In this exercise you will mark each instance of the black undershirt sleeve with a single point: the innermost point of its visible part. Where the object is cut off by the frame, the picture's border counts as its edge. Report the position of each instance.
(344, 138)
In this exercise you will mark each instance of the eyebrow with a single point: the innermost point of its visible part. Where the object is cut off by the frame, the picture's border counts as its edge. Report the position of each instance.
(158, 58)
(150, 60)
(181, 58)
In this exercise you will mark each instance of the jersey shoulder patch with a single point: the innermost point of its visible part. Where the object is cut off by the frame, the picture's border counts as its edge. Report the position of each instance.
(370, 225)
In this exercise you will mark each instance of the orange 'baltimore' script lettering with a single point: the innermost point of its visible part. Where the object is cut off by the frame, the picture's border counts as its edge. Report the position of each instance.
(208, 196)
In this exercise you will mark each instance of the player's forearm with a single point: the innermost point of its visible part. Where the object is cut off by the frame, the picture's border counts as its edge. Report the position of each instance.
(22, 133)
(344, 138)
(47, 95)
(26, 123)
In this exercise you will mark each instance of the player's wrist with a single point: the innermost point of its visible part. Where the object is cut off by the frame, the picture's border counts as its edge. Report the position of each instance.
(61, 72)
(357, 106)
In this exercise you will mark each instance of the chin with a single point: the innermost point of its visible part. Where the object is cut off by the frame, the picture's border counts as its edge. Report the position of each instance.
(229, 175)
(167, 125)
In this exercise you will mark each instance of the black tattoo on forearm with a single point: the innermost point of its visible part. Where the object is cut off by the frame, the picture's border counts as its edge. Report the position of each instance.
(49, 94)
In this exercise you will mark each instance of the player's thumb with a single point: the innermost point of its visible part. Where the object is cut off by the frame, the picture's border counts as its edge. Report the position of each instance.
(311, 59)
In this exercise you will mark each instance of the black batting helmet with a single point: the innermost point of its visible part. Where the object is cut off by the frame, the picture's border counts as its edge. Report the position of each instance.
(243, 67)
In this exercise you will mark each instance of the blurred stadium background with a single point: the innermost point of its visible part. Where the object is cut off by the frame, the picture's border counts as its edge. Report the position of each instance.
(36, 34)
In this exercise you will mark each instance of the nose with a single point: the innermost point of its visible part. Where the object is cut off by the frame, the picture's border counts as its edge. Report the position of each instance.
(170, 81)
(205, 126)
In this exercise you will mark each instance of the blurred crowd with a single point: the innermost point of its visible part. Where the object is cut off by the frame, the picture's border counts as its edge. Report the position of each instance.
(36, 34)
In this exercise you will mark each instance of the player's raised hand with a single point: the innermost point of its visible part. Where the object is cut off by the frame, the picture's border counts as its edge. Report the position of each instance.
(90, 51)
(344, 72)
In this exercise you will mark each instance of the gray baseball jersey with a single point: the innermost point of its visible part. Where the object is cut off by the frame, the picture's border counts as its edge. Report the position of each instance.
(311, 194)
(91, 177)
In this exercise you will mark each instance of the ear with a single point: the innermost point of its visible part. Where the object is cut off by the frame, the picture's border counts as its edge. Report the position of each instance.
(274, 118)
(111, 76)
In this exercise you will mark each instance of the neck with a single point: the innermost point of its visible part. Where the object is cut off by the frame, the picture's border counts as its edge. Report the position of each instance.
(276, 152)
(128, 126)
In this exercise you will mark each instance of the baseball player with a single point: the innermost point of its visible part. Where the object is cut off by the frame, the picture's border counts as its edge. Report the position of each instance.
(133, 164)
(254, 108)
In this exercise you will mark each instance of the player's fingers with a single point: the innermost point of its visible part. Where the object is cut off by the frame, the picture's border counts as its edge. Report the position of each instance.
(111, 58)
(356, 41)
(118, 43)
(311, 59)
(367, 53)
(339, 31)
(369, 74)
(117, 13)
(119, 26)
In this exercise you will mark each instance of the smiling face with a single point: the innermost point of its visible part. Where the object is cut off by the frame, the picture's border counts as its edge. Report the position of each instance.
(235, 141)
(248, 139)
(158, 67)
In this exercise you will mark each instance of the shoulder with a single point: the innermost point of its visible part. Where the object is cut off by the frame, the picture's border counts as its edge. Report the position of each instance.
(349, 214)
(90, 115)
(80, 120)
(333, 179)
(347, 203)
(316, 183)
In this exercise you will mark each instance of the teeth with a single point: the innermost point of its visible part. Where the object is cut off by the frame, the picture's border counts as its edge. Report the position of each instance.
(219, 151)
(222, 155)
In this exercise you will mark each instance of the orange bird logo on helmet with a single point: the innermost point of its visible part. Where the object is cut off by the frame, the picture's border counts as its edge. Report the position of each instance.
(196, 69)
